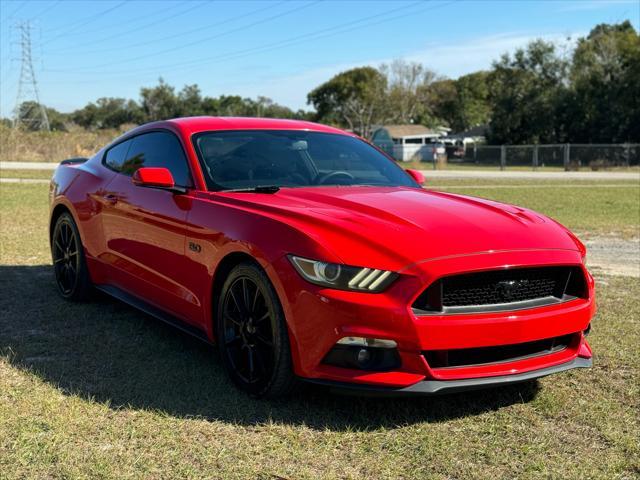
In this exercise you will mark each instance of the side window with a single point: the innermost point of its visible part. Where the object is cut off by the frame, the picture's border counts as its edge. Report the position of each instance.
(158, 149)
(115, 156)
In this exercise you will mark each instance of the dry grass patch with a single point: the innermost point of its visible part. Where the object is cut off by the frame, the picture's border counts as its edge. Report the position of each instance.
(21, 146)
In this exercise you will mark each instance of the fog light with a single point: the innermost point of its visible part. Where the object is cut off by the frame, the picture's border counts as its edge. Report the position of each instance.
(367, 342)
(364, 354)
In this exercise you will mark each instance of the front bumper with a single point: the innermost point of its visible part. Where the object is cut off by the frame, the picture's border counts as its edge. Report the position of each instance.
(319, 317)
(438, 387)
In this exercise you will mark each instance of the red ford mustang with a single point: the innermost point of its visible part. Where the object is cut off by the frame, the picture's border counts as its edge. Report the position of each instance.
(305, 253)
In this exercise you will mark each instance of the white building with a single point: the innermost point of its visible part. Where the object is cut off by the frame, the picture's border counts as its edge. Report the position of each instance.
(409, 142)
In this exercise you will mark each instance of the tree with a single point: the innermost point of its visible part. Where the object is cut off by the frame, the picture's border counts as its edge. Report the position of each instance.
(604, 101)
(190, 101)
(473, 106)
(108, 113)
(407, 90)
(235, 106)
(441, 104)
(265, 107)
(459, 104)
(28, 116)
(160, 102)
(526, 93)
(354, 98)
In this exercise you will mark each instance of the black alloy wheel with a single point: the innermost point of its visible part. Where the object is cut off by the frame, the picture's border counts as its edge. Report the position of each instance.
(252, 334)
(68, 260)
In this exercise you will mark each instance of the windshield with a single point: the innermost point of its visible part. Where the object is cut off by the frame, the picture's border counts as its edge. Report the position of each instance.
(253, 158)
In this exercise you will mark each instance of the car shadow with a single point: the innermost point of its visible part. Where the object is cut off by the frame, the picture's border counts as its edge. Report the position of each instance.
(108, 352)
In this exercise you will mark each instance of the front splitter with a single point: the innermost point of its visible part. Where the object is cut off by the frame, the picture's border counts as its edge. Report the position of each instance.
(440, 387)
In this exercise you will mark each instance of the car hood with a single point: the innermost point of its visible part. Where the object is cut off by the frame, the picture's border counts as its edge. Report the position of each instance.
(394, 227)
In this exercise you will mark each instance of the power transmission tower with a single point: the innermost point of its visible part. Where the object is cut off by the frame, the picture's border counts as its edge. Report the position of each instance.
(28, 112)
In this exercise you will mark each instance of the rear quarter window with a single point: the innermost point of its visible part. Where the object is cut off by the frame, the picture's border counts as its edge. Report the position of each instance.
(115, 156)
(158, 149)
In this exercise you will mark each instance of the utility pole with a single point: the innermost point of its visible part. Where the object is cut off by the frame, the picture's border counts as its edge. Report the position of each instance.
(28, 112)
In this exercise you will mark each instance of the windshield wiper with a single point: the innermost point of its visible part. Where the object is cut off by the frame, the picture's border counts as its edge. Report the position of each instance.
(256, 189)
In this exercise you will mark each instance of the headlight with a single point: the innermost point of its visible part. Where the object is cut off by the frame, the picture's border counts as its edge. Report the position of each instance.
(343, 277)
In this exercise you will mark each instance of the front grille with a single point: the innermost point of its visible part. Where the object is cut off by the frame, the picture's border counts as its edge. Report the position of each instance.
(497, 290)
(498, 354)
(501, 287)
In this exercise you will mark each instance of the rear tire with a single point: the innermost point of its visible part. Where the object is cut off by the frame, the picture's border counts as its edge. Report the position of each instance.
(69, 263)
(252, 334)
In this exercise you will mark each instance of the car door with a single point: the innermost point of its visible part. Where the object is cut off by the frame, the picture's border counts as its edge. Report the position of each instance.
(145, 228)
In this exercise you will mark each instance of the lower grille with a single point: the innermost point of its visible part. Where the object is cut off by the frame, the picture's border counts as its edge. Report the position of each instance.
(498, 290)
(499, 354)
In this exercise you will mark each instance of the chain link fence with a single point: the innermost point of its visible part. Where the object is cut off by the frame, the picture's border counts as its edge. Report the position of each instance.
(568, 156)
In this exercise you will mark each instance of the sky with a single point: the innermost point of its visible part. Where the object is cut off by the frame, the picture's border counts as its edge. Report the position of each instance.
(83, 50)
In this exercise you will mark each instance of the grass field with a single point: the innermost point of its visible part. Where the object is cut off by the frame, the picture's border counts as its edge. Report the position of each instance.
(588, 207)
(40, 174)
(101, 391)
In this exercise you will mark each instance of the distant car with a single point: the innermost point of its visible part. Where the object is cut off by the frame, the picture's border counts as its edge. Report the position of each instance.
(440, 148)
(303, 252)
(433, 151)
(454, 149)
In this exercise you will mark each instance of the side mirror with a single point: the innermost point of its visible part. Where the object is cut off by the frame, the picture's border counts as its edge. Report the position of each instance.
(155, 177)
(416, 175)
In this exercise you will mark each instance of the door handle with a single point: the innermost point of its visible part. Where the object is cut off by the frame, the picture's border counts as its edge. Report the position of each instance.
(110, 198)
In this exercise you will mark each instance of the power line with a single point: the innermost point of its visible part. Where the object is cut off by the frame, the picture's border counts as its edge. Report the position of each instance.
(134, 30)
(162, 39)
(47, 9)
(84, 21)
(5, 59)
(17, 9)
(213, 37)
(314, 36)
(28, 112)
(133, 20)
(87, 19)
(322, 33)
(6, 77)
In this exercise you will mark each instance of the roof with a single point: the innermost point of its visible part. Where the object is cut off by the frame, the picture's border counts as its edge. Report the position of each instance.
(399, 131)
(187, 126)
(202, 124)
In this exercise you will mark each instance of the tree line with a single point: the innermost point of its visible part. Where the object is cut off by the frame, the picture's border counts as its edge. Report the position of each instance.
(538, 94)
(156, 103)
(541, 93)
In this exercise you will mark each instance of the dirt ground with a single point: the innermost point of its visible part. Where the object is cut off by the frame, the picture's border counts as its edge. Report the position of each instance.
(613, 255)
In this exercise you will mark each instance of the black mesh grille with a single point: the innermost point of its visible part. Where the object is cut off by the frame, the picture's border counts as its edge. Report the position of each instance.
(498, 287)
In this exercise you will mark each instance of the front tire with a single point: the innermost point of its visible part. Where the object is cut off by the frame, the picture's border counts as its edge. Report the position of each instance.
(252, 334)
(69, 264)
